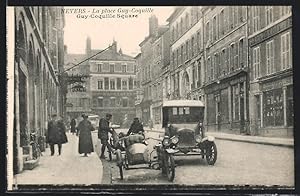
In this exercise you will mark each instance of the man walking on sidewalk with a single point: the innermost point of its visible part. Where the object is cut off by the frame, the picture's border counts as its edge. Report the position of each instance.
(103, 134)
(56, 134)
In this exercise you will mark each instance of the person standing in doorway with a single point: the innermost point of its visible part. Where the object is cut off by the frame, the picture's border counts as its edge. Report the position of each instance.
(56, 134)
(85, 137)
(103, 134)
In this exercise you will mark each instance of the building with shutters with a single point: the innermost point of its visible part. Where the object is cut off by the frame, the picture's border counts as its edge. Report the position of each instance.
(112, 83)
(226, 68)
(271, 70)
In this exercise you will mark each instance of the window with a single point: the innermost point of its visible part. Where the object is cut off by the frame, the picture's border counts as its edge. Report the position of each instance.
(290, 106)
(236, 56)
(100, 101)
(256, 20)
(100, 84)
(124, 68)
(227, 60)
(181, 27)
(270, 57)
(232, 55)
(240, 13)
(124, 85)
(285, 10)
(207, 33)
(112, 68)
(215, 28)
(273, 108)
(113, 102)
(256, 62)
(112, 84)
(198, 42)
(177, 31)
(269, 14)
(99, 68)
(118, 67)
(192, 46)
(241, 53)
(105, 67)
(175, 111)
(194, 76)
(125, 102)
(181, 57)
(130, 83)
(211, 68)
(235, 15)
(231, 17)
(199, 73)
(215, 65)
(187, 22)
(223, 61)
(118, 83)
(222, 22)
(106, 83)
(130, 68)
(177, 57)
(285, 50)
(187, 50)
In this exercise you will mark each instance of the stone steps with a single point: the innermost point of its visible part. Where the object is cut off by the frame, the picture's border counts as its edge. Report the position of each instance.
(30, 164)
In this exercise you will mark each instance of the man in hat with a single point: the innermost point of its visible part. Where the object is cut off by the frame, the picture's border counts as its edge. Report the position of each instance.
(103, 134)
(136, 127)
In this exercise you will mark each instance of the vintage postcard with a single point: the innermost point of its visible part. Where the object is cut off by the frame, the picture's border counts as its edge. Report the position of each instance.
(160, 97)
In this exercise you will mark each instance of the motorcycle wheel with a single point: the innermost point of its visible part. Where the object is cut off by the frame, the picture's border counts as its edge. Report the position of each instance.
(211, 153)
(170, 167)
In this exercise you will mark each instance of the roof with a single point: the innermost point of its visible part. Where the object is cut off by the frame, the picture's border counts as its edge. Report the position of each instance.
(73, 58)
(109, 54)
(183, 103)
(174, 14)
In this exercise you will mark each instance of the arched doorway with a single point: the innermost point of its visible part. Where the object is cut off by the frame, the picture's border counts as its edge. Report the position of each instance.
(185, 85)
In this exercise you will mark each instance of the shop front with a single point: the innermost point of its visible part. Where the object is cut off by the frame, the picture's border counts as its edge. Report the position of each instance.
(226, 105)
(275, 110)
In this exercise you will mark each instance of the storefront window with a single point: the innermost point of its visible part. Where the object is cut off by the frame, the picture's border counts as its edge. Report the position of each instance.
(236, 97)
(289, 106)
(224, 105)
(273, 108)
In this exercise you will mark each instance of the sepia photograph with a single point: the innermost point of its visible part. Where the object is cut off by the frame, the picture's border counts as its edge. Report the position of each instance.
(146, 96)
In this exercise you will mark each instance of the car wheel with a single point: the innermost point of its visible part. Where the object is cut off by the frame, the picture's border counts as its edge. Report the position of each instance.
(211, 153)
(170, 167)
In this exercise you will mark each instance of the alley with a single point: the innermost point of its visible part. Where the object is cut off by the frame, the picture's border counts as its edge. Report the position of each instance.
(67, 169)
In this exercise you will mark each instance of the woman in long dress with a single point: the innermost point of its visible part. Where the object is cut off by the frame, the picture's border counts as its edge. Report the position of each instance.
(85, 137)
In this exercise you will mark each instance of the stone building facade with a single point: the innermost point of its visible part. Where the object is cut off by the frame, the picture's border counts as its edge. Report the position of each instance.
(39, 56)
(226, 71)
(271, 75)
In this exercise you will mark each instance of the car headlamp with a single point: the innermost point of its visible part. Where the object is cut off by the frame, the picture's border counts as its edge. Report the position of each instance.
(198, 138)
(200, 124)
(166, 141)
(174, 139)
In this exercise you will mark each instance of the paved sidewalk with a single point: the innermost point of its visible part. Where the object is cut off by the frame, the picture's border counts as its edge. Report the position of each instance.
(286, 142)
(70, 168)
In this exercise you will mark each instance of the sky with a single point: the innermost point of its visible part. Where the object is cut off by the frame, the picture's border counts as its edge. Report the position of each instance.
(128, 32)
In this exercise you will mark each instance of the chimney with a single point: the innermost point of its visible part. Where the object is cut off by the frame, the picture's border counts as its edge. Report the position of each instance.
(88, 46)
(65, 49)
(114, 46)
(153, 25)
(120, 51)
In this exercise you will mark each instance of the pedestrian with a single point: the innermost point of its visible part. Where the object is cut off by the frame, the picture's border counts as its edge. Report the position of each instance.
(85, 137)
(56, 134)
(73, 126)
(136, 127)
(103, 134)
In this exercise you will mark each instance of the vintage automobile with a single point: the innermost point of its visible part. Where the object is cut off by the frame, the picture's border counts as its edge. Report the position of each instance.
(184, 132)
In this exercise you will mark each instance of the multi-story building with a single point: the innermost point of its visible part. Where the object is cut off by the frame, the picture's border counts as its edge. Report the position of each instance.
(271, 76)
(112, 83)
(226, 70)
(153, 60)
(38, 62)
(186, 67)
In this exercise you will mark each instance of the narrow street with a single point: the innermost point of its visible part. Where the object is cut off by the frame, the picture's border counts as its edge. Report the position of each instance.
(238, 163)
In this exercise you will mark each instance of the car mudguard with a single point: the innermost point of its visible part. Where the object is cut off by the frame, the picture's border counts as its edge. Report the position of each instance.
(208, 138)
(171, 151)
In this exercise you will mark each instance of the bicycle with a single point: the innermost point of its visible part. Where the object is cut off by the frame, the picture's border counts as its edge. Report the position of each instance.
(36, 150)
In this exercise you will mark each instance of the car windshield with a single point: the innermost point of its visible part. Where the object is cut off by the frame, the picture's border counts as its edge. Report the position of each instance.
(180, 115)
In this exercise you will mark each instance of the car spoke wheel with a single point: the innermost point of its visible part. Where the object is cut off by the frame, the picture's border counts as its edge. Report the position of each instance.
(211, 153)
(170, 167)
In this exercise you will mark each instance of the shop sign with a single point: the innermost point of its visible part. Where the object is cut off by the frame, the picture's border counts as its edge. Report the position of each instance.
(276, 84)
(271, 31)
